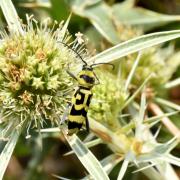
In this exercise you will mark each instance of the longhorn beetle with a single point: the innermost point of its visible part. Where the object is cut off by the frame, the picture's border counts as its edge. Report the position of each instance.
(78, 108)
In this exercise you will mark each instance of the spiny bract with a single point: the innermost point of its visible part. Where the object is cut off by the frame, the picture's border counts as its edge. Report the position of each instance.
(153, 60)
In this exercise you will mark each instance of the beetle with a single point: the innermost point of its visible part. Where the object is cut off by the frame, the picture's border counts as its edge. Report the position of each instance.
(78, 108)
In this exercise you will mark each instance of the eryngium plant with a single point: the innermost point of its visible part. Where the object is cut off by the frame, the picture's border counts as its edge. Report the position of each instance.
(33, 78)
(35, 91)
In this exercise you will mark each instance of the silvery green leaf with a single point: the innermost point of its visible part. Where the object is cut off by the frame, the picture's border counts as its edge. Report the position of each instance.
(123, 169)
(11, 16)
(167, 103)
(145, 167)
(150, 121)
(60, 177)
(139, 121)
(89, 161)
(160, 151)
(136, 92)
(142, 106)
(151, 172)
(64, 29)
(172, 160)
(7, 151)
(99, 13)
(140, 17)
(131, 74)
(173, 83)
(166, 170)
(159, 117)
(167, 147)
(89, 144)
(134, 45)
(108, 163)
(47, 130)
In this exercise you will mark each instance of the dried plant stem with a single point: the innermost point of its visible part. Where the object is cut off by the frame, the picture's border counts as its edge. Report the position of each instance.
(156, 110)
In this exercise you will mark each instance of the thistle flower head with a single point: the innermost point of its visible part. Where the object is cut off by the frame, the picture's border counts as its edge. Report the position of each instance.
(33, 76)
(154, 60)
(108, 98)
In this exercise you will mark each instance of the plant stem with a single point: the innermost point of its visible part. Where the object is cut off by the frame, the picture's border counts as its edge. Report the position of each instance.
(156, 110)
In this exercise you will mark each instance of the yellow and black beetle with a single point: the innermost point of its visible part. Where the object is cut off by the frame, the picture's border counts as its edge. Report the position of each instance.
(78, 108)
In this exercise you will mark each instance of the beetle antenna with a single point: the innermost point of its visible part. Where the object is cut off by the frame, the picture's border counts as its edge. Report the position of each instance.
(74, 52)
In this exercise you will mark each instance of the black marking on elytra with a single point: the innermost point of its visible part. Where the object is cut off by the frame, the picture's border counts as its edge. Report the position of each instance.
(87, 124)
(89, 100)
(86, 88)
(73, 125)
(81, 100)
(84, 113)
(75, 112)
(77, 92)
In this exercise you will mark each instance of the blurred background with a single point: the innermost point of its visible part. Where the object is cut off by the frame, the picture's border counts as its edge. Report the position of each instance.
(31, 162)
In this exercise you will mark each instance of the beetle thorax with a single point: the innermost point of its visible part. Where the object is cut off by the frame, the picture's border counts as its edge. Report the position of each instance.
(86, 78)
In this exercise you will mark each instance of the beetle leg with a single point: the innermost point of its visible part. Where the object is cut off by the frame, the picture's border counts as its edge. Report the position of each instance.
(87, 124)
(98, 82)
(71, 74)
